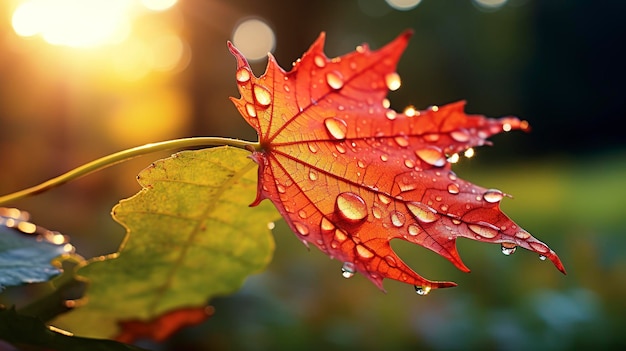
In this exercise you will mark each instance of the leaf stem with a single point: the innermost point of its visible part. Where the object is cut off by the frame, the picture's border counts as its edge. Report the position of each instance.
(126, 155)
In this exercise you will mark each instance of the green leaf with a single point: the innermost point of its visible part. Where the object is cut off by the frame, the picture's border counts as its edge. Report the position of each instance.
(191, 236)
(27, 250)
(26, 330)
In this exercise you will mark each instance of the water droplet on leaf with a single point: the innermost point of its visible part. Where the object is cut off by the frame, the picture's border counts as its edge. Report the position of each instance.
(348, 270)
(320, 61)
(422, 213)
(453, 188)
(350, 207)
(422, 290)
(508, 248)
(336, 128)
(301, 228)
(483, 230)
(397, 219)
(251, 110)
(242, 75)
(542, 257)
(493, 195)
(432, 155)
(460, 135)
(334, 80)
(262, 95)
(364, 252)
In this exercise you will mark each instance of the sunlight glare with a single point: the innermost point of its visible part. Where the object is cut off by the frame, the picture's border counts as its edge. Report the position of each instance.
(158, 5)
(75, 23)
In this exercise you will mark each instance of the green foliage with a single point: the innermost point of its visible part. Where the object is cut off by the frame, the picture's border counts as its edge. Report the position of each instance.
(25, 257)
(27, 330)
(191, 236)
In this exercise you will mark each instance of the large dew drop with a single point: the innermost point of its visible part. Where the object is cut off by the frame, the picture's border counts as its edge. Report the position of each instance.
(422, 213)
(508, 248)
(485, 230)
(336, 128)
(348, 270)
(242, 75)
(422, 290)
(350, 207)
(262, 95)
(432, 155)
(493, 195)
(334, 80)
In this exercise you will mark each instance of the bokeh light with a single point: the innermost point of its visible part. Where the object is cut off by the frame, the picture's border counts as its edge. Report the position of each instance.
(254, 38)
(158, 5)
(403, 5)
(490, 5)
(75, 23)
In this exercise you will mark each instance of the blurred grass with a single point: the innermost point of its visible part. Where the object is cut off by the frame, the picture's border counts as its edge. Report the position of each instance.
(576, 206)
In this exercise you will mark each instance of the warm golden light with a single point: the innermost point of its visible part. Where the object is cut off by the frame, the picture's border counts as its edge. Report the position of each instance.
(158, 5)
(75, 23)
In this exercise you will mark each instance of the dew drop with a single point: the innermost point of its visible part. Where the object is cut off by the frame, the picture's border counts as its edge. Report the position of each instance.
(262, 95)
(409, 163)
(326, 225)
(542, 257)
(384, 199)
(320, 61)
(493, 195)
(312, 175)
(483, 230)
(391, 115)
(401, 140)
(460, 135)
(431, 155)
(431, 137)
(281, 188)
(393, 81)
(539, 247)
(414, 229)
(397, 219)
(360, 163)
(508, 248)
(301, 228)
(377, 212)
(469, 153)
(350, 207)
(422, 213)
(340, 235)
(312, 147)
(391, 261)
(364, 252)
(251, 110)
(302, 214)
(453, 188)
(384, 158)
(336, 128)
(340, 148)
(422, 290)
(522, 234)
(334, 80)
(348, 270)
(242, 75)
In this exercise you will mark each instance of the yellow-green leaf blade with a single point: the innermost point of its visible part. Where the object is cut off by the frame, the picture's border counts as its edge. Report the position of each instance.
(191, 236)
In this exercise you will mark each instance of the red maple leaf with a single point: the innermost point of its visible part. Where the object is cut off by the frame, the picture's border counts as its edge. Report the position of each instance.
(349, 174)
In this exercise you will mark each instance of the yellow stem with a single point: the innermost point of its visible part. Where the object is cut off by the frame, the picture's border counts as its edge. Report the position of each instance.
(126, 155)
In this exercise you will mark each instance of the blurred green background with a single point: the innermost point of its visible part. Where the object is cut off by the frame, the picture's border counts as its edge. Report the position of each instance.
(161, 70)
